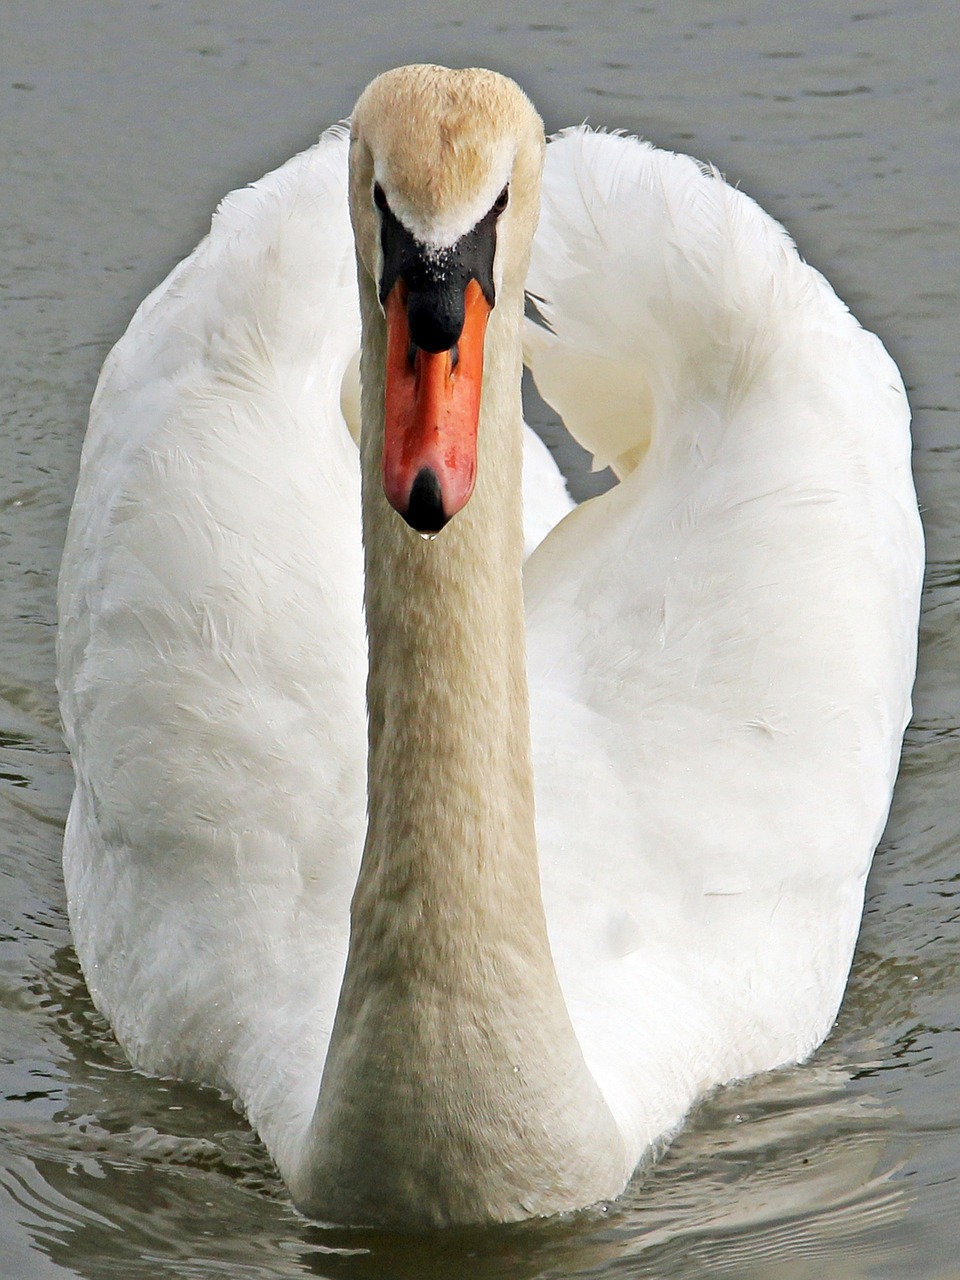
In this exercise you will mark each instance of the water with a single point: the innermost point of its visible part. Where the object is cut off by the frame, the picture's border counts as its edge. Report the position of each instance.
(122, 123)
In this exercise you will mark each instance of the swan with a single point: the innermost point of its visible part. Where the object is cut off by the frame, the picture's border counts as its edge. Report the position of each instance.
(468, 873)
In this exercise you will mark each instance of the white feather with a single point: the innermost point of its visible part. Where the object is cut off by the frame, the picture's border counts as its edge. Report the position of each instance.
(721, 649)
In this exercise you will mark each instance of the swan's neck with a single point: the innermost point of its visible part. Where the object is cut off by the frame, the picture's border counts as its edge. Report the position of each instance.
(454, 1088)
(450, 783)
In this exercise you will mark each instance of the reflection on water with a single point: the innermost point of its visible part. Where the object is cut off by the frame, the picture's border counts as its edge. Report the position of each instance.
(122, 125)
(793, 1164)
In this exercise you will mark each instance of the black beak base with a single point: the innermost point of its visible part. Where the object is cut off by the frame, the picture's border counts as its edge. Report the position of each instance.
(437, 279)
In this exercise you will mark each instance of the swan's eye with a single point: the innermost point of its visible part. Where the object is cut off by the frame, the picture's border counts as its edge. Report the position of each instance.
(501, 201)
(379, 199)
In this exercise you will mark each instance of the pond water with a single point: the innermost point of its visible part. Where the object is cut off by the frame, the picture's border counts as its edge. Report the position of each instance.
(122, 124)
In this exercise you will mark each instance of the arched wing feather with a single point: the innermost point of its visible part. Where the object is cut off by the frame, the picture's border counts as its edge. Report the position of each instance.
(721, 647)
(212, 644)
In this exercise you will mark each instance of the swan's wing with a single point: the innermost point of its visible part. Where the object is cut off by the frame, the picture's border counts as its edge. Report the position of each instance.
(722, 647)
(212, 651)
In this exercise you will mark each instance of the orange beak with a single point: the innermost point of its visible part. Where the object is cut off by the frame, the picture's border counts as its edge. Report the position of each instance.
(432, 410)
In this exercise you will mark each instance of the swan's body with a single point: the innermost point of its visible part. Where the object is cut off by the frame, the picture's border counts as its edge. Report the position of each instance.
(720, 655)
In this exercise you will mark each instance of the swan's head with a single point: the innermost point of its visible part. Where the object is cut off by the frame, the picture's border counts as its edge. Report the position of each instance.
(444, 197)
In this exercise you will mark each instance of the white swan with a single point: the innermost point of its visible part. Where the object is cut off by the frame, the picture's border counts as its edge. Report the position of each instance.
(720, 654)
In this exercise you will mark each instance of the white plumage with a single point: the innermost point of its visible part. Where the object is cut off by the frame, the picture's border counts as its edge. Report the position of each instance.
(720, 649)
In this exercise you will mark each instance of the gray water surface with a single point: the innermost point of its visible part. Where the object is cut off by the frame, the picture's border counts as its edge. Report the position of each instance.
(121, 125)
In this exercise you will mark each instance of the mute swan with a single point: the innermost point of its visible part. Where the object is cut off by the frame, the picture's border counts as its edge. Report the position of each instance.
(719, 656)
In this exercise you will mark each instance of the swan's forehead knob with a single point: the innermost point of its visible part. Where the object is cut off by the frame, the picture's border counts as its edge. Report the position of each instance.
(436, 279)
